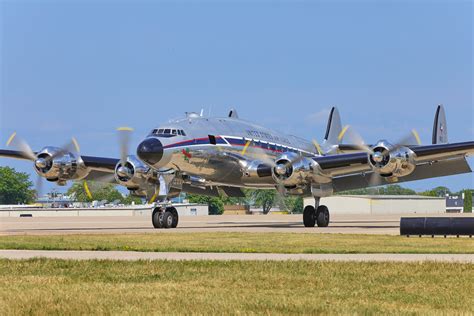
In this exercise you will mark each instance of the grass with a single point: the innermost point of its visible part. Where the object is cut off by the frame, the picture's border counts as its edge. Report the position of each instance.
(242, 242)
(57, 287)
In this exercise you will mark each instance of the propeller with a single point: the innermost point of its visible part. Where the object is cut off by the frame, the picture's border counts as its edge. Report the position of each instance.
(40, 162)
(124, 136)
(279, 168)
(22, 146)
(356, 139)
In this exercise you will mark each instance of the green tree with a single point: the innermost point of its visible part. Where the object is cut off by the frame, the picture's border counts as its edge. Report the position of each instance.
(15, 187)
(264, 199)
(393, 189)
(216, 204)
(437, 192)
(294, 204)
(99, 191)
(467, 200)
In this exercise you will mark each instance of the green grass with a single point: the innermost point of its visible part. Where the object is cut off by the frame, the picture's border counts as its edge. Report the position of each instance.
(59, 287)
(243, 242)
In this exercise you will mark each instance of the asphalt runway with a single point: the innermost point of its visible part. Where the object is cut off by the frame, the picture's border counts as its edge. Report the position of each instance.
(340, 224)
(177, 256)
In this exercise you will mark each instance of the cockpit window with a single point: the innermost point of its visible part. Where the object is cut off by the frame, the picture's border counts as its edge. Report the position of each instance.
(168, 132)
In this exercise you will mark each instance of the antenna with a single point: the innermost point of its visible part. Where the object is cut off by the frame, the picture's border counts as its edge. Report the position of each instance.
(202, 112)
(210, 109)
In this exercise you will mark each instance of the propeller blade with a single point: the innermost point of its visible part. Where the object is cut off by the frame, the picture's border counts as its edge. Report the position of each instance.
(413, 138)
(375, 180)
(317, 147)
(124, 142)
(259, 152)
(354, 138)
(39, 186)
(71, 146)
(87, 190)
(21, 145)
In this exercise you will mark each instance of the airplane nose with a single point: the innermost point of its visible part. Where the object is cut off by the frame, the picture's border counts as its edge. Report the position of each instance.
(150, 151)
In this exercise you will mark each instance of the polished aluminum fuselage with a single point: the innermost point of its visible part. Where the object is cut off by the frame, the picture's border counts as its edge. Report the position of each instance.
(237, 144)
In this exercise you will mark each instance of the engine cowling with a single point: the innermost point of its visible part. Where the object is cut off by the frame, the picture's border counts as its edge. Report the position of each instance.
(59, 166)
(134, 175)
(291, 170)
(389, 161)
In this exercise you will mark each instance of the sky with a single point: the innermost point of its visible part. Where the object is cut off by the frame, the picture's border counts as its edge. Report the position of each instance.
(84, 68)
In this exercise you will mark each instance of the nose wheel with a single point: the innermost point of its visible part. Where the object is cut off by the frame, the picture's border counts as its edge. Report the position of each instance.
(313, 216)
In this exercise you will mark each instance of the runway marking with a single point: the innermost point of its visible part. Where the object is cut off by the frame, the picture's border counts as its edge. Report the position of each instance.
(179, 256)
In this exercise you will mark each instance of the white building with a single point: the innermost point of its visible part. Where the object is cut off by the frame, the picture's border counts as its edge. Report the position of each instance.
(382, 204)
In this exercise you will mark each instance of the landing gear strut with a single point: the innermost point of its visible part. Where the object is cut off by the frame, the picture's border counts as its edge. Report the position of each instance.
(313, 216)
(165, 218)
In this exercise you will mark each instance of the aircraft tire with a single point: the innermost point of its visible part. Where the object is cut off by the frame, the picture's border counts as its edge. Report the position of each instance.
(174, 212)
(157, 217)
(309, 216)
(322, 216)
(168, 220)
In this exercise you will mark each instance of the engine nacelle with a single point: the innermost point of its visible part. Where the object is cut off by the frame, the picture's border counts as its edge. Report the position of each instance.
(389, 162)
(291, 170)
(59, 166)
(134, 175)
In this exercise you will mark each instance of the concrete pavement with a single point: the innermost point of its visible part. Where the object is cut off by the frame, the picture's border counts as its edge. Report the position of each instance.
(175, 256)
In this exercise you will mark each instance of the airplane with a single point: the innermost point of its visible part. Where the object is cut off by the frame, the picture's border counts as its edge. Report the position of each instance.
(222, 155)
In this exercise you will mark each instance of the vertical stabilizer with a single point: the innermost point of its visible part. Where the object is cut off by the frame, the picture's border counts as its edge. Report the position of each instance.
(440, 127)
(333, 129)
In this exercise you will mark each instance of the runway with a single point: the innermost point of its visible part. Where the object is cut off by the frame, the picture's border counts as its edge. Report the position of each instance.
(340, 224)
(177, 256)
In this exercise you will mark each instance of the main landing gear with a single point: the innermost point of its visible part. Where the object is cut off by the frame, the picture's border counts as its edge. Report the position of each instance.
(164, 218)
(312, 216)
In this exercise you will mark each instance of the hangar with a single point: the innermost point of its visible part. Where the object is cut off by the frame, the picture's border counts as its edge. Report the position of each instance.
(382, 204)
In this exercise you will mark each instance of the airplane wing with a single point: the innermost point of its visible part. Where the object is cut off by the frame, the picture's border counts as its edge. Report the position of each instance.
(100, 167)
(353, 170)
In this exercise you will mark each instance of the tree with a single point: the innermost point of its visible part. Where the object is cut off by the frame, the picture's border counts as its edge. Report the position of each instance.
(467, 200)
(216, 205)
(393, 189)
(294, 204)
(264, 199)
(437, 192)
(15, 187)
(99, 191)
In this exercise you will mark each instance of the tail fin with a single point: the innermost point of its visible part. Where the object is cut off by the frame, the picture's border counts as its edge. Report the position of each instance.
(333, 129)
(440, 127)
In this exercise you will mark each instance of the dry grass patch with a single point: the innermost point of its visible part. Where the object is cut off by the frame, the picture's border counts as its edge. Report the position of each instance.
(42, 286)
(242, 242)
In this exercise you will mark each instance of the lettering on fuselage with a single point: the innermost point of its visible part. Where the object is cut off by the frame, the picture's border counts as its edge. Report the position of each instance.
(267, 136)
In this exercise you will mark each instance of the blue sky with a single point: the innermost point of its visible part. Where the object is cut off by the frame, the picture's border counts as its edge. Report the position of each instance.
(83, 68)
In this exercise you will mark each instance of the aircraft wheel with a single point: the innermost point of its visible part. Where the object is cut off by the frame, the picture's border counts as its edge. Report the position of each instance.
(309, 216)
(157, 217)
(168, 220)
(175, 216)
(322, 216)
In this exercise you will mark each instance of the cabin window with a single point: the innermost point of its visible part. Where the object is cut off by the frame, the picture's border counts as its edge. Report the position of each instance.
(183, 133)
(212, 139)
(174, 132)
